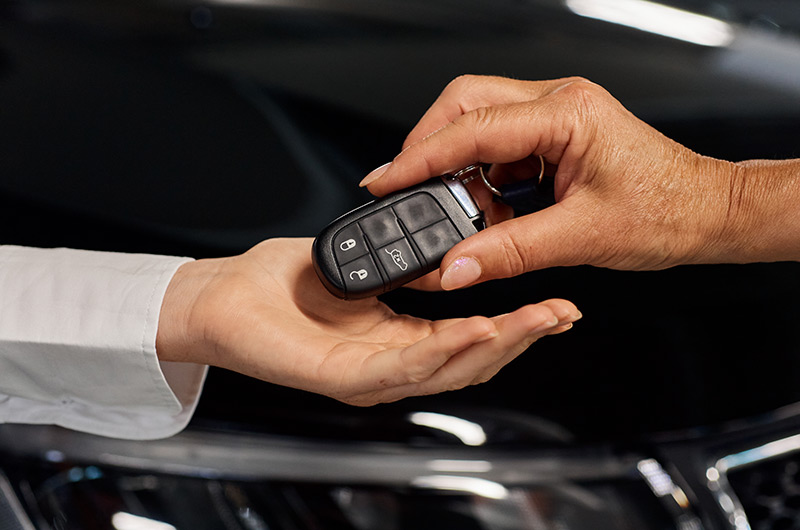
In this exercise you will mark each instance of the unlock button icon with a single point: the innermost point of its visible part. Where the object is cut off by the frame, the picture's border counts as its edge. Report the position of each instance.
(360, 274)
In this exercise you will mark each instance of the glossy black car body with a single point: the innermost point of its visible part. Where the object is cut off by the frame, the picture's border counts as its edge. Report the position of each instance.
(201, 128)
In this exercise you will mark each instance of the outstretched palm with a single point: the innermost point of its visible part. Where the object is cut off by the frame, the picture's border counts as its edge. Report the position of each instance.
(268, 316)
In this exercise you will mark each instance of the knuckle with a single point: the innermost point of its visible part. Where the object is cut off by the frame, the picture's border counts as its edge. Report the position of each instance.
(482, 117)
(579, 92)
(427, 160)
(584, 97)
(463, 83)
(476, 120)
(577, 79)
(475, 124)
(584, 107)
(512, 257)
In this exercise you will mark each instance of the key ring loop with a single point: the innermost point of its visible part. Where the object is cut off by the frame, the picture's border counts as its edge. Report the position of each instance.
(482, 174)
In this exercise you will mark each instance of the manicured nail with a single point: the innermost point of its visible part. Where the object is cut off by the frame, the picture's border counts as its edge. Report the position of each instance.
(374, 175)
(462, 272)
(572, 317)
(488, 336)
(546, 325)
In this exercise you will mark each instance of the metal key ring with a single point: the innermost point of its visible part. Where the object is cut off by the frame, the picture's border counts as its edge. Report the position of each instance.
(482, 174)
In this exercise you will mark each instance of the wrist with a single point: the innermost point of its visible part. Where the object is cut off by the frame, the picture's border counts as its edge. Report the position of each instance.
(762, 222)
(180, 324)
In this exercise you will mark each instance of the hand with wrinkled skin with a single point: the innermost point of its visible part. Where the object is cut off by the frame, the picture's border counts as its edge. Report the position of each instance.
(267, 315)
(627, 196)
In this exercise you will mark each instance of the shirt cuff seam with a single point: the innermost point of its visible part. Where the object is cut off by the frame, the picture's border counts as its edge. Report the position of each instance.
(158, 380)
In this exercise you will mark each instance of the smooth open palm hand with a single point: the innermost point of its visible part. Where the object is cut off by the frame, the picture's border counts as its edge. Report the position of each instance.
(265, 314)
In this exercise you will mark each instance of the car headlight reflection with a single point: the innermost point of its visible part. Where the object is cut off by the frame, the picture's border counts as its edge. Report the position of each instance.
(204, 480)
(128, 521)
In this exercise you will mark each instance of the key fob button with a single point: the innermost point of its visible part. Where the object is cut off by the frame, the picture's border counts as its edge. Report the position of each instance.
(419, 211)
(381, 228)
(436, 240)
(390, 241)
(361, 275)
(349, 244)
(399, 261)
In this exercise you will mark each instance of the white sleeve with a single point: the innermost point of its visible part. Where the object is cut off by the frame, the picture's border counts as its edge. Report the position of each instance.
(77, 343)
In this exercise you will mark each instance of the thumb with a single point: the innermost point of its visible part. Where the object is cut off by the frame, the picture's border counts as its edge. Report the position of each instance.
(549, 238)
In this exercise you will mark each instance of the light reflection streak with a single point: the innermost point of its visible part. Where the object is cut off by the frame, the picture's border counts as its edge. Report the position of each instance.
(460, 466)
(128, 521)
(661, 483)
(657, 18)
(476, 486)
(470, 433)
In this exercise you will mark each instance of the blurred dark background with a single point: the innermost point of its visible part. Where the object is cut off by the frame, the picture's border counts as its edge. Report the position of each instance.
(201, 128)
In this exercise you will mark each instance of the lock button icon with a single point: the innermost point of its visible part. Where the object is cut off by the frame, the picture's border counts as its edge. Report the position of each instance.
(349, 245)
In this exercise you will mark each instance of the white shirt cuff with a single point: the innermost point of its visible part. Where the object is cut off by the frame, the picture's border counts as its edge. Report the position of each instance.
(77, 343)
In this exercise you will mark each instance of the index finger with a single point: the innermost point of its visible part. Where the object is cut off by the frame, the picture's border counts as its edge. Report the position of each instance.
(469, 92)
(494, 135)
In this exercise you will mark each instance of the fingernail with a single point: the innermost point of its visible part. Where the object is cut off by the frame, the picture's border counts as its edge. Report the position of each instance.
(546, 325)
(574, 317)
(488, 336)
(462, 272)
(374, 175)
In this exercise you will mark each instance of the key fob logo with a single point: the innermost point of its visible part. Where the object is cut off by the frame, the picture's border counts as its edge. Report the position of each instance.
(347, 245)
(397, 256)
(360, 274)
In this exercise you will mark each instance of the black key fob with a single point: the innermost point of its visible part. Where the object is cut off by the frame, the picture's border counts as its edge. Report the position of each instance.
(391, 241)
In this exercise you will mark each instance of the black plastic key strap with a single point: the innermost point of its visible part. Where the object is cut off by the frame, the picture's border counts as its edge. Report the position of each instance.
(525, 196)
(528, 196)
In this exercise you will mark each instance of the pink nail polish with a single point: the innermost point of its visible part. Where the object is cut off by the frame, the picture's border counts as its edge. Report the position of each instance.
(374, 175)
(462, 272)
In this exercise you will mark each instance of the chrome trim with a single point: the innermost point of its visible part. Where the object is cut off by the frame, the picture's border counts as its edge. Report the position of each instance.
(769, 450)
(462, 195)
(720, 487)
(12, 503)
(255, 457)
